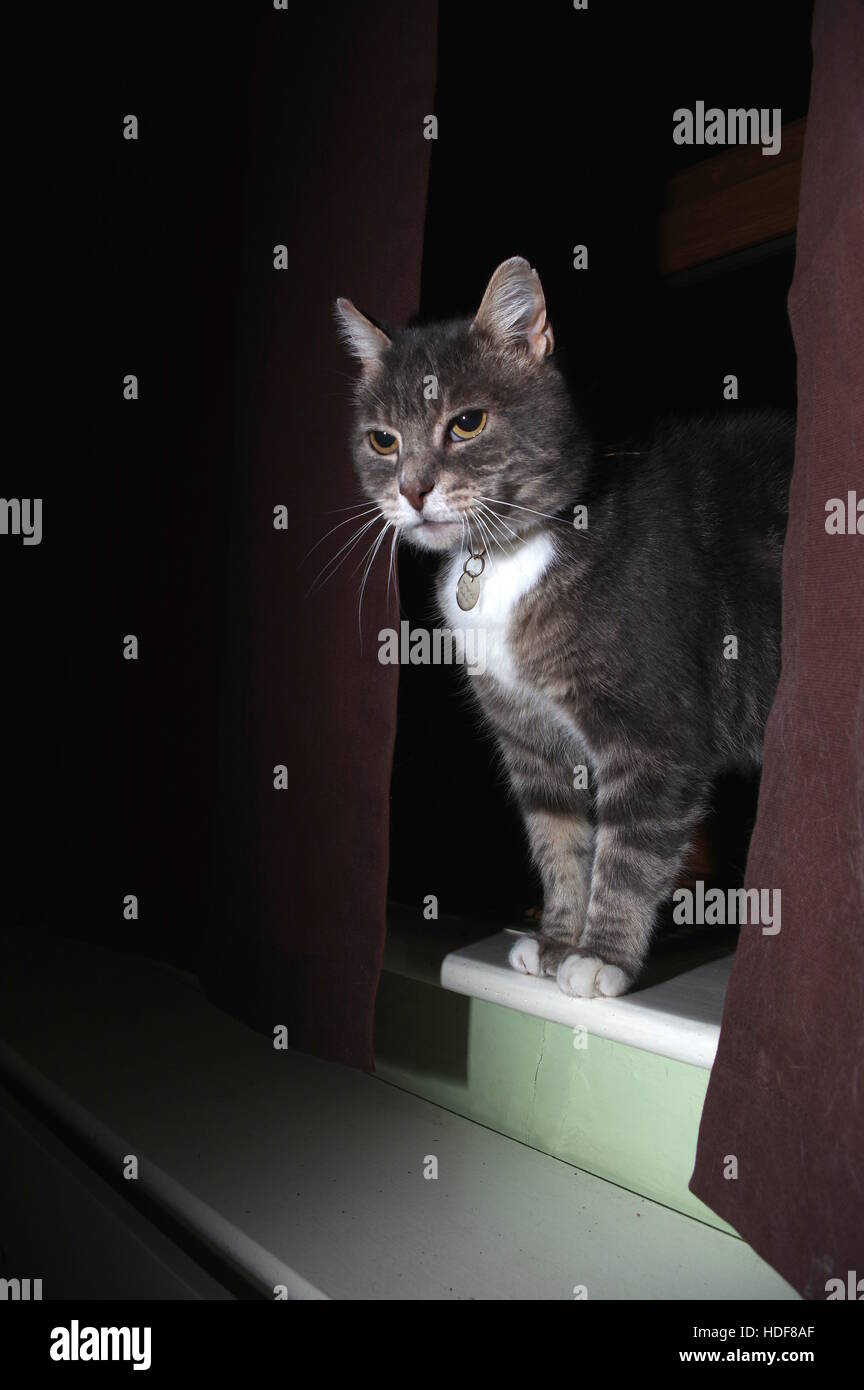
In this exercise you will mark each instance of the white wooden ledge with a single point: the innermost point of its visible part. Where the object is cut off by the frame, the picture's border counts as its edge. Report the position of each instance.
(675, 1013)
(299, 1172)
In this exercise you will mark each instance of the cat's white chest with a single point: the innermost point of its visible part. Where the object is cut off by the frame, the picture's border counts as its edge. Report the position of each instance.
(506, 579)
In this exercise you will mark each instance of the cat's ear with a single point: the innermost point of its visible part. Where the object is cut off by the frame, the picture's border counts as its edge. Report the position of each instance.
(513, 310)
(361, 337)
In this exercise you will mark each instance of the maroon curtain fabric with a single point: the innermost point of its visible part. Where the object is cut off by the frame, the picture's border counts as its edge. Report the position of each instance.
(301, 873)
(786, 1096)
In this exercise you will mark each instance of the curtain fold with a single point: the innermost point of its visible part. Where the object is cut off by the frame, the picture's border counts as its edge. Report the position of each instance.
(298, 914)
(786, 1100)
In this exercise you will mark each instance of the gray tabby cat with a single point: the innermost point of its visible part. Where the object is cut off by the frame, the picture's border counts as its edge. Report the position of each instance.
(607, 629)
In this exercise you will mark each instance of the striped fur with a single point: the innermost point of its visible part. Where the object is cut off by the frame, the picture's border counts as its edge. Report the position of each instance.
(608, 646)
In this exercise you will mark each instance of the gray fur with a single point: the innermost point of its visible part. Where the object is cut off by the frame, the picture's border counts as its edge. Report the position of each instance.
(619, 648)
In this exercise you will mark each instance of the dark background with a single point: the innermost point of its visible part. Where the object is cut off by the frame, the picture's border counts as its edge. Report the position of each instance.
(554, 129)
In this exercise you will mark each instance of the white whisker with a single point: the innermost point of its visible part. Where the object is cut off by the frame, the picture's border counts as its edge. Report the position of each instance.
(384, 529)
(391, 572)
(348, 546)
(499, 502)
(361, 562)
(489, 513)
(346, 522)
(492, 520)
(511, 548)
(486, 537)
(331, 511)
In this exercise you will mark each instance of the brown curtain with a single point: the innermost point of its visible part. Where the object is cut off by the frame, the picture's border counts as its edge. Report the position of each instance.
(301, 873)
(786, 1096)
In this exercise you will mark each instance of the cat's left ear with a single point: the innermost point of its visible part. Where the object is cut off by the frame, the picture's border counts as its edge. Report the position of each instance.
(362, 338)
(513, 309)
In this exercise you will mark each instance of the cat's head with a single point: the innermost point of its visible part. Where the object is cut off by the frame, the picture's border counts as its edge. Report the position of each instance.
(457, 419)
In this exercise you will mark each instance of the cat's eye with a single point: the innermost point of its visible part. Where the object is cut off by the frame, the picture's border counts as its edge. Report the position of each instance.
(468, 425)
(382, 442)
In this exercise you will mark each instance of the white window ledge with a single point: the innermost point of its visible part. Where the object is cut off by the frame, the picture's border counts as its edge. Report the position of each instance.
(304, 1174)
(676, 1013)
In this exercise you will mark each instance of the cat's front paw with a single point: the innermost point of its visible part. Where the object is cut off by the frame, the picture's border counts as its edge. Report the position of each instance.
(585, 976)
(537, 955)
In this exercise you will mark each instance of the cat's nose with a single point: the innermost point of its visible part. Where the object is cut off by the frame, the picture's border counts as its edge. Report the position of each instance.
(416, 492)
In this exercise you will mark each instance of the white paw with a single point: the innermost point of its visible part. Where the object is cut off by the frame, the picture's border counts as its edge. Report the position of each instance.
(586, 977)
(525, 955)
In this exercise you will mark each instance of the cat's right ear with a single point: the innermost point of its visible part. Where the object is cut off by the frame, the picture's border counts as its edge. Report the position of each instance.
(362, 338)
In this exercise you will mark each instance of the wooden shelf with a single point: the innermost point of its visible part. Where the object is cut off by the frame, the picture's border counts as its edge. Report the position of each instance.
(733, 201)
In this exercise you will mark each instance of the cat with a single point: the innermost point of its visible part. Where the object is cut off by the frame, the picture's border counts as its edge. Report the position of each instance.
(630, 605)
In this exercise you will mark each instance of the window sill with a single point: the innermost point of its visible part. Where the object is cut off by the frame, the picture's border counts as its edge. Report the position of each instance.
(676, 1013)
(298, 1172)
